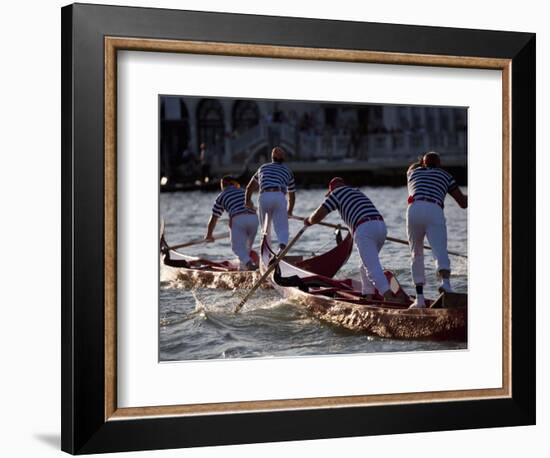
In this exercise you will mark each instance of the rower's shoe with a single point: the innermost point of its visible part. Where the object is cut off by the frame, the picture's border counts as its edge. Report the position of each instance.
(372, 299)
(251, 266)
(418, 304)
(389, 296)
(445, 288)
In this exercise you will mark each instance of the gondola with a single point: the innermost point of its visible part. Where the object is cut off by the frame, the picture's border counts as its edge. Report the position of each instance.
(195, 272)
(340, 303)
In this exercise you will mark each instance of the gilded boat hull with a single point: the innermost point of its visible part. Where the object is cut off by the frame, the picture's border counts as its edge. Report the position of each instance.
(193, 272)
(445, 319)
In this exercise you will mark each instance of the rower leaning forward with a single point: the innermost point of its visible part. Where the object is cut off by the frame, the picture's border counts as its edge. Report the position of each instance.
(243, 221)
(368, 229)
(275, 181)
(428, 185)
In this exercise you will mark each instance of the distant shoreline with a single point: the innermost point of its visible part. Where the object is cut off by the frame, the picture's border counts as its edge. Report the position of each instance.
(316, 176)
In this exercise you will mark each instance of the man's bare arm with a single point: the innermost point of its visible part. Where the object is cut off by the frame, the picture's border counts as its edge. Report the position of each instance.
(210, 228)
(415, 165)
(251, 188)
(291, 202)
(317, 216)
(461, 199)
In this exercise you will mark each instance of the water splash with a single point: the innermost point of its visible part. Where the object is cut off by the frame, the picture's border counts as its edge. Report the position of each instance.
(200, 306)
(199, 323)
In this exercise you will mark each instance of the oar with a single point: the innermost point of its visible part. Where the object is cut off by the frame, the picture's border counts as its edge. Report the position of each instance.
(224, 235)
(405, 242)
(270, 269)
(391, 239)
(334, 226)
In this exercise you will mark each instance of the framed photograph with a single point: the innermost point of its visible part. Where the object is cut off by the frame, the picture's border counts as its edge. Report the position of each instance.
(284, 228)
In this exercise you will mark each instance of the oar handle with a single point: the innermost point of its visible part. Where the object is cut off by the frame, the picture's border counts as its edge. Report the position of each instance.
(333, 226)
(404, 242)
(270, 269)
(391, 239)
(454, 253)
(198, 241)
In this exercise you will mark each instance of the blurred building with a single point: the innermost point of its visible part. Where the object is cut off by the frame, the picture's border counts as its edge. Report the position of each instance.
(242, 132)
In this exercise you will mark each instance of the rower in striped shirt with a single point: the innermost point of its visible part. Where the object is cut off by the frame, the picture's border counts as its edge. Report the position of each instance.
(428, 185)
(243, 221)
(368, 229)
(275, 181)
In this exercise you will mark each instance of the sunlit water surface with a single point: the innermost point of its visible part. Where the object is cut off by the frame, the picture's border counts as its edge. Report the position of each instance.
(200, 323)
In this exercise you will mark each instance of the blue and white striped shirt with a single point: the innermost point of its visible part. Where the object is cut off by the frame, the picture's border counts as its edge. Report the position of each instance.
(352, 204)
(431, 183)
(275, 175)
(231, 199)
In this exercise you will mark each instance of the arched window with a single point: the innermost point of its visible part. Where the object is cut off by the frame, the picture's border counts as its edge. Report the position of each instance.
(403, 116)
(416, 118)
(430, 119)
(245, 115)
(444, 122)
(211, 126)
(459, 118)
(174, 133)
(376, 124)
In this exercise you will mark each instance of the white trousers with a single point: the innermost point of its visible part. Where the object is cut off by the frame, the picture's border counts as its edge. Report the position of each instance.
(243, 232)
(274, 204)
(426, 219)
(369, 238)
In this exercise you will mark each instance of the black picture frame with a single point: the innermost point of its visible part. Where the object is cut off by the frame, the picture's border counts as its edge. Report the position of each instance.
(84, 427)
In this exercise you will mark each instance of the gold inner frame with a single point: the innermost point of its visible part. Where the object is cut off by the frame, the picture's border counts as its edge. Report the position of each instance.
(114, 44)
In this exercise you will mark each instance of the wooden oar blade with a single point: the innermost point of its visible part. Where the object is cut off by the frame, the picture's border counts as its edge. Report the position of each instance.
(270, 269)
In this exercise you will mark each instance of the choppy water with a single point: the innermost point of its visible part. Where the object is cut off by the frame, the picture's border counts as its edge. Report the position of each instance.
(200, 323)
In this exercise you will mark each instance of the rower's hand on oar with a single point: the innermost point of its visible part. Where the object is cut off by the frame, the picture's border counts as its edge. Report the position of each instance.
(208, 238)
(272, 264)
(307, 222)
(250, 205)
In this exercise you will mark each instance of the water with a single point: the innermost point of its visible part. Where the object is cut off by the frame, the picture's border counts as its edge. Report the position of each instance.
(200, 323)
